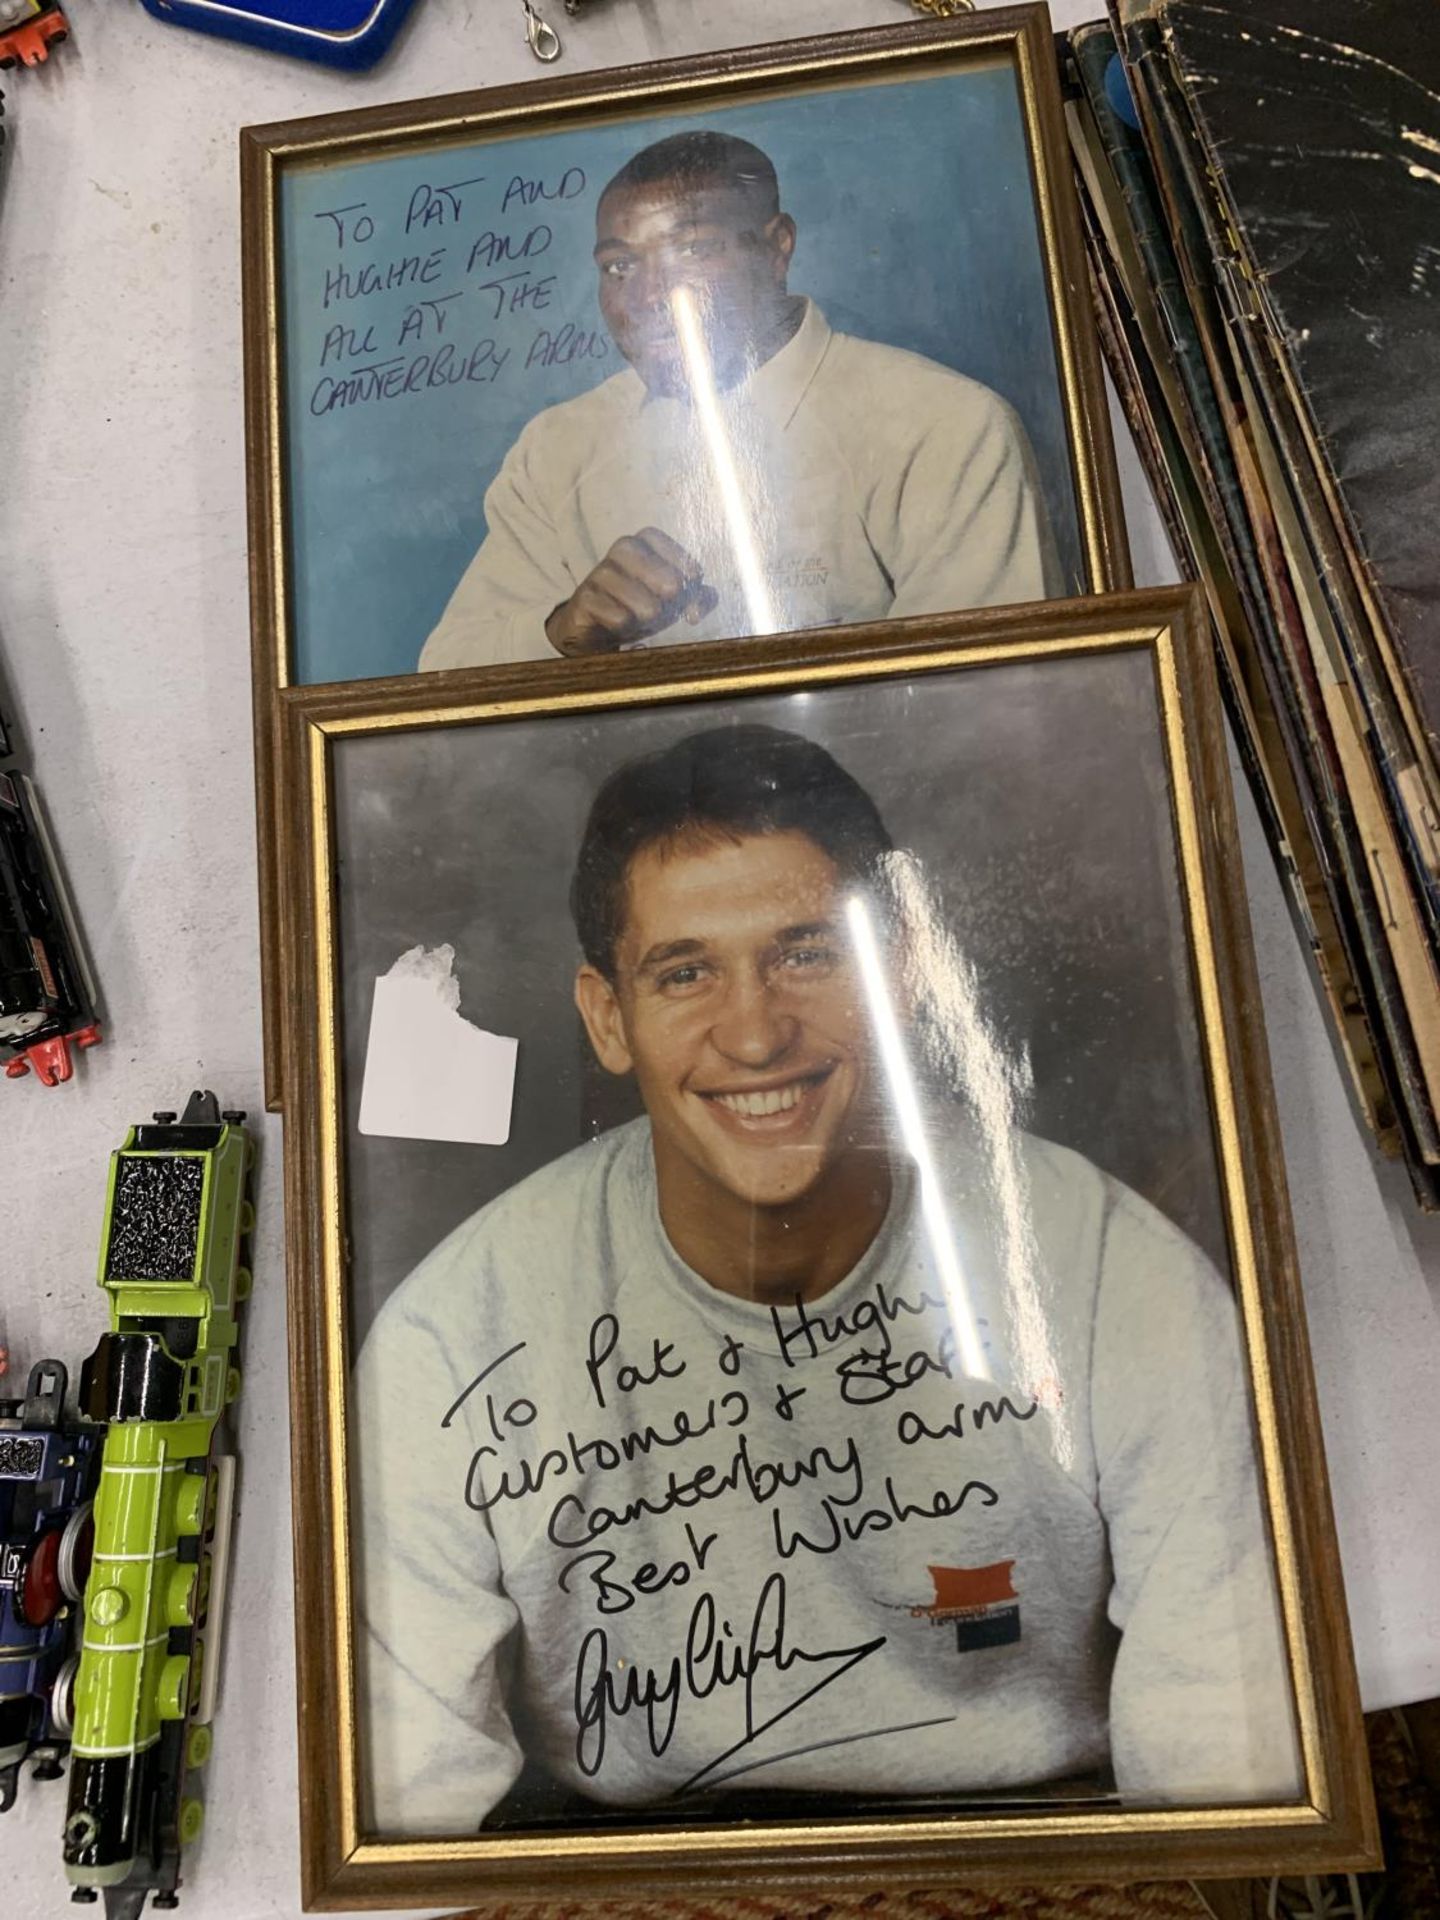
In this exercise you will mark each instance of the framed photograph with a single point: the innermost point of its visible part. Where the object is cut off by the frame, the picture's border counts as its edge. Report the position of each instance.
(731, 345)
(799, 1366)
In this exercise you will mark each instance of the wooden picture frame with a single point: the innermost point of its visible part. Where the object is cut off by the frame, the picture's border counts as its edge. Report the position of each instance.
(349, 748)
(356, 535)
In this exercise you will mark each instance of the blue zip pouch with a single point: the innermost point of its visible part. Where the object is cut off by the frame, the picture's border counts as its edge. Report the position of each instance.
(341, 33)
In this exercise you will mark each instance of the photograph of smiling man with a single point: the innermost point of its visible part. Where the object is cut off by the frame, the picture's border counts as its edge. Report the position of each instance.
(814, 1430)
(751, 469)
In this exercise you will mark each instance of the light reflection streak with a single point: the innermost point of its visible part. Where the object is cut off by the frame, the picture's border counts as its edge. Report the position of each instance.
(701, 376)
(971, 1059)
(906, 1101)
(941, 985)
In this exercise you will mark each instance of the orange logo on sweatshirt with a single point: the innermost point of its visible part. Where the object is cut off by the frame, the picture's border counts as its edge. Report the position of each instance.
(981, 1601)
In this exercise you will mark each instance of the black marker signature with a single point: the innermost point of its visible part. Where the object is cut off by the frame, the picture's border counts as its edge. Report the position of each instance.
(712, 1660)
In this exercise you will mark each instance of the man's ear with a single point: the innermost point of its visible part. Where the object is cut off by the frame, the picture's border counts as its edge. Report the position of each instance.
(604, 1022)
(780, 232)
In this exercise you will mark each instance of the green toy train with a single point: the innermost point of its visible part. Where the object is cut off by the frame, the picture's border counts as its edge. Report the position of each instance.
(173, 1261)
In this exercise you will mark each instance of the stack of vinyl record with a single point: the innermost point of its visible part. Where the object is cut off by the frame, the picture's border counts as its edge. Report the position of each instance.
(1261, 191)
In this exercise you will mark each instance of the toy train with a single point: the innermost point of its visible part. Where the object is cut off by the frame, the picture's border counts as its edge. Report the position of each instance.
(28, 30)
(47, 1469)
(173, 1261)
(47, 998)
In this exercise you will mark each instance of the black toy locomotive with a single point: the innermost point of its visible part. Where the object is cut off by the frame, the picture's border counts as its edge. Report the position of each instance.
(47, 998)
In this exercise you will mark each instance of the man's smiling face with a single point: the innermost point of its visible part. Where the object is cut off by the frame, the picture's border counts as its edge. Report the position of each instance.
(736, 1003)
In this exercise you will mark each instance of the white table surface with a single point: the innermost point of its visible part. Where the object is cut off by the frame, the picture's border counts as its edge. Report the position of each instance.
(123, 626)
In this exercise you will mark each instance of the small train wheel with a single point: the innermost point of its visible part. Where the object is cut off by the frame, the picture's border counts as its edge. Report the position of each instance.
(190, 1502)
(62, 1698)
(41, 1596)
(172, 1689)
(232, 1386)
(77, 1544)
(244, 1282)
(247, 1217)
(202, 1588)
(192, 1818)
(198, 1743)
(182, 1595)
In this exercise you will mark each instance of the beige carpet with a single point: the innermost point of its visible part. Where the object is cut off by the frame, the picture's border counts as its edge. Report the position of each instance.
(1154, 1900)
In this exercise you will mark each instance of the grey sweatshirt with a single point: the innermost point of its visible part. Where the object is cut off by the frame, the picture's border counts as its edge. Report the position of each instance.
(983, 1516)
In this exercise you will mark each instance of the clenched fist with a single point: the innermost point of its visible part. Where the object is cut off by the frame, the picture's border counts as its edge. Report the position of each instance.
(645, 583)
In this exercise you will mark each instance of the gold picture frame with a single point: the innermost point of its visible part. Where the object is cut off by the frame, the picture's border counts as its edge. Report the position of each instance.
(284, 290)
(1158, 638)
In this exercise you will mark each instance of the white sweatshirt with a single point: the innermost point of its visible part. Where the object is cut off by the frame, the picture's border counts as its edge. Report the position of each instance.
(871, 483)
(976, 1523)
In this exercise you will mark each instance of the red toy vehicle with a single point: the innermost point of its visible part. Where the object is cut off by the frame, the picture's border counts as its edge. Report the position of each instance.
(47, 999)
(28, 29)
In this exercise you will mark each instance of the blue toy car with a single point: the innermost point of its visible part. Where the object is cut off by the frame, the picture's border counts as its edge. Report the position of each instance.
(47, 1474)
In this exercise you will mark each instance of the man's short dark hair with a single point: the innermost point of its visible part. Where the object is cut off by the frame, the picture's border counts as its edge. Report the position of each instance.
(726, 783)
(704, 159)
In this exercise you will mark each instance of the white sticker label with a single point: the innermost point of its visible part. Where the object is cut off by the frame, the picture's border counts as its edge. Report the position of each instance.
(429, 1073)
